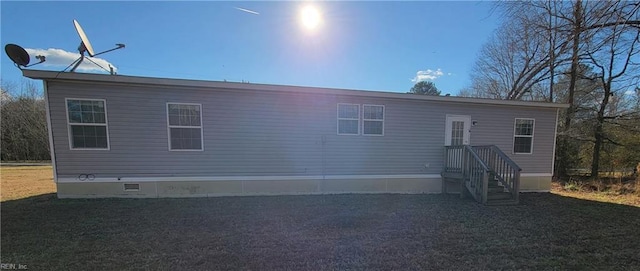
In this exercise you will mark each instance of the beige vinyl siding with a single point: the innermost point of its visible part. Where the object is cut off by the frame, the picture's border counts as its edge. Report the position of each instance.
(249, 133)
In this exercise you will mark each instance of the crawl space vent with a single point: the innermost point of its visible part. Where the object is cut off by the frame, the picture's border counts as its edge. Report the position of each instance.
(132, 187)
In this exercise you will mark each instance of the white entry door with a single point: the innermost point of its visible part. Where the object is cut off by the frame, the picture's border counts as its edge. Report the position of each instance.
(457, 130)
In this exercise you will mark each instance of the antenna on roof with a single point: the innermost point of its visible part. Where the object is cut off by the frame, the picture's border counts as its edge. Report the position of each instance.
(85, 47)
(19, 56)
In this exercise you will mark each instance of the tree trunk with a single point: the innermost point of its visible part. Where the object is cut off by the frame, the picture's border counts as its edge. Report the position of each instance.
(564, 142)
(577, 30)
(599, 131)
(552, 50)
(597, 146)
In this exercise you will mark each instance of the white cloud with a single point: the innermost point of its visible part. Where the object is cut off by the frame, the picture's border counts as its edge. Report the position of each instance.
(428, 75)
(629, 92)
(61, 58)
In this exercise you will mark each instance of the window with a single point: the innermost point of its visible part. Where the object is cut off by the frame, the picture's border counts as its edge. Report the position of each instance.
(373, 119)
(348, 119)
(87, 119)
(185, 127)
(457, 133)
(523, 136)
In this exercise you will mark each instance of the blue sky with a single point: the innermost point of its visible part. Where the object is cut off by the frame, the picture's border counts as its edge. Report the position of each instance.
(357, 45)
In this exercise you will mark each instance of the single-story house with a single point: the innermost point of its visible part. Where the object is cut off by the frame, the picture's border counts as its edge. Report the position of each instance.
(126, 136)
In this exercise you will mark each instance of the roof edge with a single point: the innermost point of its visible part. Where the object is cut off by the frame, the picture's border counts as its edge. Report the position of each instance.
(66, 76)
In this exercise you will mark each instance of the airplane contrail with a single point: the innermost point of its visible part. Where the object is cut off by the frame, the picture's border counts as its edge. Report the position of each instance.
(247, 11)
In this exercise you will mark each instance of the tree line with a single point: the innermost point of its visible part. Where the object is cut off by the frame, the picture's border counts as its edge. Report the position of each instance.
(24, 127)
(583, 53)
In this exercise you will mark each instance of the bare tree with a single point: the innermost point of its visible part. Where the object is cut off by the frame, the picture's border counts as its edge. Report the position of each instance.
(517, 58)
(585, 43)
(580, 18)
(24, 127)
(614, 53)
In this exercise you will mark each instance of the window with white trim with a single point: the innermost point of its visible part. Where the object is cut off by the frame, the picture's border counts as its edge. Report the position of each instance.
(348, 119)
(184, 123)
(87, 119)
(372, 119)
(523, 136)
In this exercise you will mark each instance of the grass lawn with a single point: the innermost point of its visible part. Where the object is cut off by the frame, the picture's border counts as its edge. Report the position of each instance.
(25, 181)
(546, 231)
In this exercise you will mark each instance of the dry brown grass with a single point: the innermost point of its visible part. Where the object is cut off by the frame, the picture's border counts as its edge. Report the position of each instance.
(26, 181)
(613, 190)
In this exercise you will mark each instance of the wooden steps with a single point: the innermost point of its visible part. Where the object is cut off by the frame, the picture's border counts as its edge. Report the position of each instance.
(496, 195)
(483, 172)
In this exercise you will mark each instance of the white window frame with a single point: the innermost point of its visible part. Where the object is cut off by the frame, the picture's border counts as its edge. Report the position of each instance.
(339, 119)
(69, 124)
(384, 112)
(169, 126)
(533, 131)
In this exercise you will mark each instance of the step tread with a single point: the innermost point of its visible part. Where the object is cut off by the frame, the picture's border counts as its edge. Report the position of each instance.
(499, 195)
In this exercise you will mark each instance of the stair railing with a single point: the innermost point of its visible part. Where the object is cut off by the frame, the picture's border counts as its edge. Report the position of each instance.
(505, 170)
(475, 173)
(453, 158)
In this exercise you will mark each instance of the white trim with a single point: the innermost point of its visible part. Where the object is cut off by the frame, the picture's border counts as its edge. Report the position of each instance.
(235, 86)
(169, 126)
(338, 119)
(249, 178)
(533, 132)
(536, 174)
(466, 138)
(555, 138)
(384, 112)
(69, 124)
(52, 151)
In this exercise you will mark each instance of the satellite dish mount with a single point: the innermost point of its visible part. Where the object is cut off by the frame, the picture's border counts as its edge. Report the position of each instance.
(85, 47)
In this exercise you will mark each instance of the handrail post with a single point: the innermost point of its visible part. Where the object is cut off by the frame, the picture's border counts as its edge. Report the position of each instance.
(446, 158)
(516, 185)
(463, 165)
(492, 159)
(446, 169)
(485, 186)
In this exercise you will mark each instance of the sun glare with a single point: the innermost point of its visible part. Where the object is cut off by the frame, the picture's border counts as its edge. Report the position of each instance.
(310, 17)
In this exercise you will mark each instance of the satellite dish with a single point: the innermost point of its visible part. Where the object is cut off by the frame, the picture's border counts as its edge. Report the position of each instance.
(19, 56)
(85, 47)
(83, 38)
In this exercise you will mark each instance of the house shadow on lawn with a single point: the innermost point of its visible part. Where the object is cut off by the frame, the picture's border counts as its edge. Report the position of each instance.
(381, 231)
